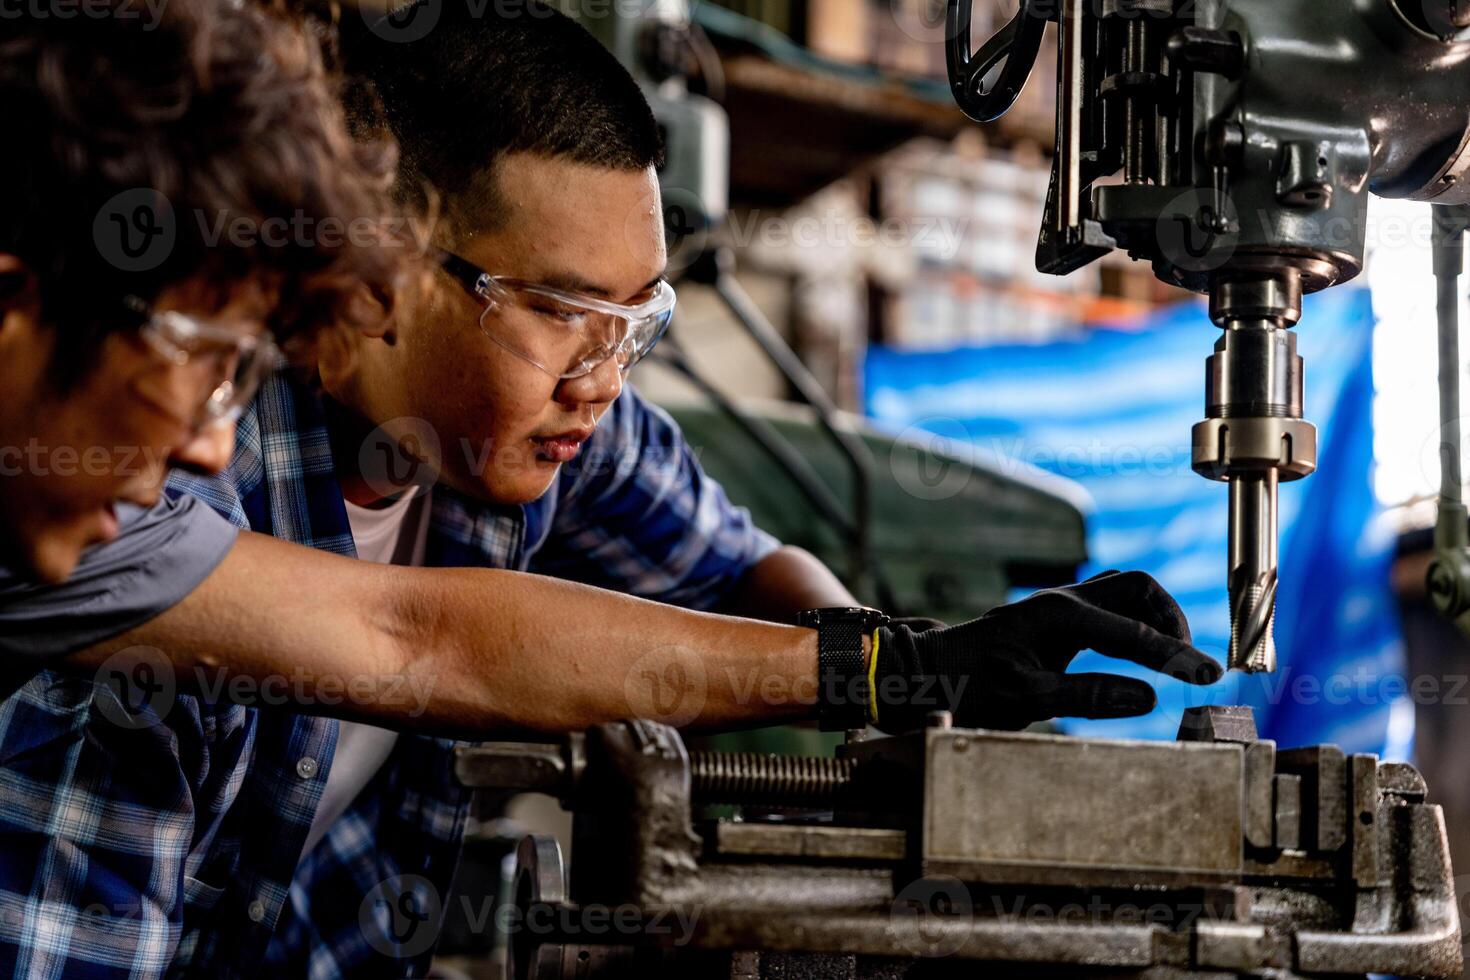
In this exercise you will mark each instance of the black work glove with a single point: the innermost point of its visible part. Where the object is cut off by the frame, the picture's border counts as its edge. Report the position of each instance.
(1007, 669)
(917, 624)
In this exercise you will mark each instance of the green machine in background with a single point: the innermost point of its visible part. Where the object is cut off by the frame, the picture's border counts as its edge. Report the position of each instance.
(952, 536)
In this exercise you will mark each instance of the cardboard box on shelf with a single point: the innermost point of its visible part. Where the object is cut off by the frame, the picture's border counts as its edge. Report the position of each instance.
(840, 29)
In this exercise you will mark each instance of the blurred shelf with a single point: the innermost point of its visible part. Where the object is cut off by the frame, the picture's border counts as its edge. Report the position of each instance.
(794, 130)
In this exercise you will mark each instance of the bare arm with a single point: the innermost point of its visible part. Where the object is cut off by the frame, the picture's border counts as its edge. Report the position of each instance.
(785, 583)
(460, 651)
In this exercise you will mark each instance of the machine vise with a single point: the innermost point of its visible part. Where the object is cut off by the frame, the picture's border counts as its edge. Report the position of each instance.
(946, 851)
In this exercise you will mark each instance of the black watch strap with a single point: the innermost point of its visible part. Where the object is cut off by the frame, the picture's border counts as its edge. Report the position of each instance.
(842, 681)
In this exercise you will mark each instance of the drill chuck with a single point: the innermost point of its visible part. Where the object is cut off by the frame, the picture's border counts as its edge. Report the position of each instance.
(1254, 438)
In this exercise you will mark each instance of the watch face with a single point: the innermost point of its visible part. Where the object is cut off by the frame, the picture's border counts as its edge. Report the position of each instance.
(836, 614)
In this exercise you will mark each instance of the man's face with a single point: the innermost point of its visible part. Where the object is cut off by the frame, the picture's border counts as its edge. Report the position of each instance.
(68, 456)
(503, 426)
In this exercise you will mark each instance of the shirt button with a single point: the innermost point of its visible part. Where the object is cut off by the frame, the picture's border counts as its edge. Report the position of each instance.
(306, 767)
(256, 911)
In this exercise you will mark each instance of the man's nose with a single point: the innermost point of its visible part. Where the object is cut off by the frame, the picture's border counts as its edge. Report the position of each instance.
(209, 451)
(600, 387)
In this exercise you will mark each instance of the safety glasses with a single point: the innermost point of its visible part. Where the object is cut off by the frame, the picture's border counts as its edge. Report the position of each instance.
(566, 335)
(226, 363)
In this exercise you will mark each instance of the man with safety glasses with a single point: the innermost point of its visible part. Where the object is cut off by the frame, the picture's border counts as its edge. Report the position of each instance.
(516, 315)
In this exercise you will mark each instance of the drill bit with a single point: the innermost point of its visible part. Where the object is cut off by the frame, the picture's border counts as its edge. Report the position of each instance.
(1253, 571)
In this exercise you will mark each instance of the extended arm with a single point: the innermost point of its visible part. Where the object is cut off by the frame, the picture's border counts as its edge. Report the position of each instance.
(485, 652)
(468, 650)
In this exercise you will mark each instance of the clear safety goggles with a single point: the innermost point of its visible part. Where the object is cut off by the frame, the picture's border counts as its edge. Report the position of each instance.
(223, 361)
(566, 335)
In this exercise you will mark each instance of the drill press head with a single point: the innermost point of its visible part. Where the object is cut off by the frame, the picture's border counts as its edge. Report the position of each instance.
(1248, 135)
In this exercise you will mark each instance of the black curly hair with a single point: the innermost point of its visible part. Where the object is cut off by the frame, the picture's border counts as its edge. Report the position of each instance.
(226, 112)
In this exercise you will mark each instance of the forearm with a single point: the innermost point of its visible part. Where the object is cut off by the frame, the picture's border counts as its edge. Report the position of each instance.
(785, 583)
(552, 655)
(465, 651)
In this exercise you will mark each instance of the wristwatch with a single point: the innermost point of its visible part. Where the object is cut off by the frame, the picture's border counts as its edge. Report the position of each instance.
(842, 682)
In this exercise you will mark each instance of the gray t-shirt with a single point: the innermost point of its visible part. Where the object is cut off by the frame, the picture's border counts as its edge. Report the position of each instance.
(159, 556)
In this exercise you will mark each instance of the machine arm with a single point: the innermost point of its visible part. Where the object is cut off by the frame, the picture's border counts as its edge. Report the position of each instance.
(1245, 136)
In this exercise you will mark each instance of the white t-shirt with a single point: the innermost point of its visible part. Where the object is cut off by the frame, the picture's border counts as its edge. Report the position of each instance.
(391, 535)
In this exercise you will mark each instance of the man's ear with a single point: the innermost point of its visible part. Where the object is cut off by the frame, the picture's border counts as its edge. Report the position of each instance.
(369, 313)
(337, 350)
(366, 318)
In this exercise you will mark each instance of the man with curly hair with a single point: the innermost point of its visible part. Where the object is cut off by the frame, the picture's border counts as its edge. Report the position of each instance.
(149, 167)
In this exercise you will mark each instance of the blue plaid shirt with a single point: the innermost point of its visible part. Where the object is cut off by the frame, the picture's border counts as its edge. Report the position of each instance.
(175, 847)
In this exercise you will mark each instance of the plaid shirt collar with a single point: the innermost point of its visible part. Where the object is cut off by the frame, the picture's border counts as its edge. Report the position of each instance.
(282, 481)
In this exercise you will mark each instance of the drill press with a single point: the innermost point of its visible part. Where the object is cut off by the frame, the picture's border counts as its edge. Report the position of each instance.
(1246, 136)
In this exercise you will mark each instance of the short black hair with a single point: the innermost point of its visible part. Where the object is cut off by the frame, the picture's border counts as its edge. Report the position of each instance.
(224, 112)
(487, 79)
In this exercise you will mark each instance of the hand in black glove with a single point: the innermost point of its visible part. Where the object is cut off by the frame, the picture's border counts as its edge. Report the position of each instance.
(918, 624)
(1007, 669)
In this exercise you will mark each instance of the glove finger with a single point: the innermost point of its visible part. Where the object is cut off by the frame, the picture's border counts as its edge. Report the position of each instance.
(1118, 636)
(1138, 596)
(1098, 696)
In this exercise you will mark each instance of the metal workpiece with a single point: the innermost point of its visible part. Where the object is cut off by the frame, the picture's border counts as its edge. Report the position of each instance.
(949, 850)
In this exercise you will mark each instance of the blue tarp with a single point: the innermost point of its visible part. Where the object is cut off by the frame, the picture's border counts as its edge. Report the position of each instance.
(1113, 410)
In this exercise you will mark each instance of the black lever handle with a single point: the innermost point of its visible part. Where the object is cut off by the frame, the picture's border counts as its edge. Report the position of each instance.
(1017, 43)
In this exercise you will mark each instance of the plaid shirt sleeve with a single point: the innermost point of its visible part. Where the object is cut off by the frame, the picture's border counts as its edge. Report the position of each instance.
(638, 514)
(93, 854)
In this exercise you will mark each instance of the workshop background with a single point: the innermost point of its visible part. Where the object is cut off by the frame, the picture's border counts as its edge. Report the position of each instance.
(891, 243)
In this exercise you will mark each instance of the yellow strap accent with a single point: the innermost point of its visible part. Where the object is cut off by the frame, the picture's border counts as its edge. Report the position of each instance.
(873, 681)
